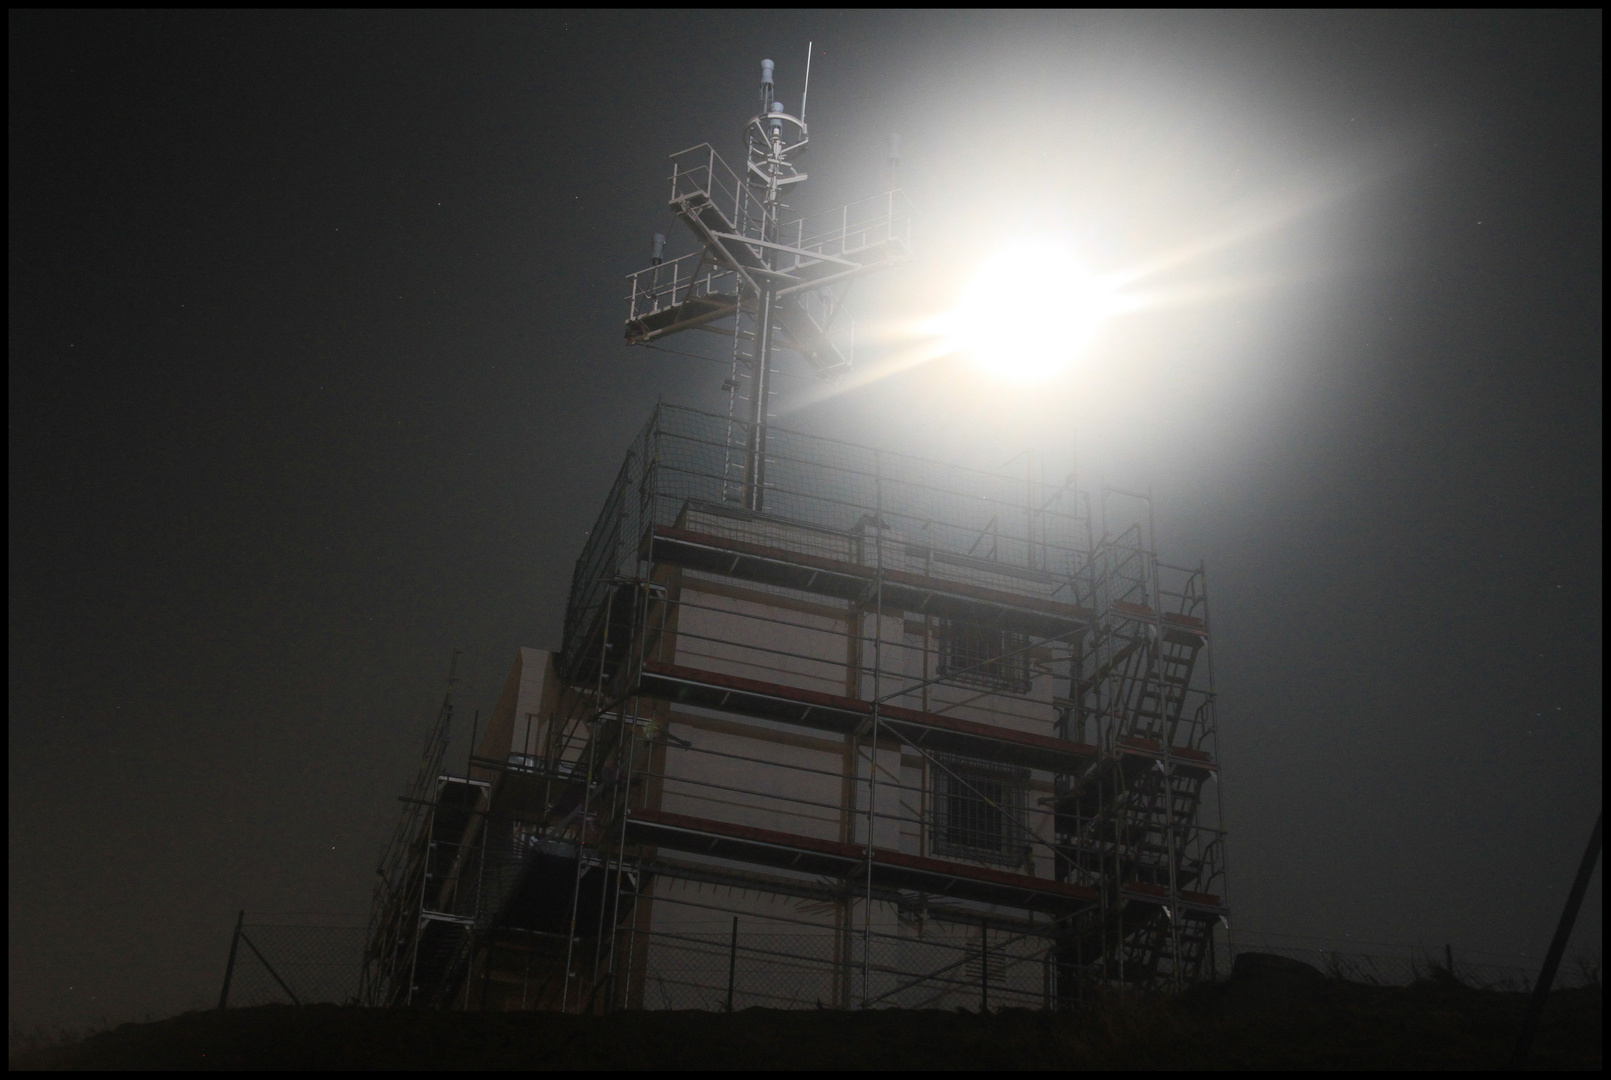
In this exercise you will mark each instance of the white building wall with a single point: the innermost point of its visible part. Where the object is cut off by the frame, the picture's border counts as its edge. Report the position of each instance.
(776, 776)
(740, 629)
(754, 780)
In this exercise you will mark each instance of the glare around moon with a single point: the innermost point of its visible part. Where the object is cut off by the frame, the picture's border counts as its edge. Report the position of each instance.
(1031, 310)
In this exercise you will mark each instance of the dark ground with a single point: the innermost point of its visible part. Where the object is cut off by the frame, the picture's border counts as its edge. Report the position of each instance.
(1268, 1023)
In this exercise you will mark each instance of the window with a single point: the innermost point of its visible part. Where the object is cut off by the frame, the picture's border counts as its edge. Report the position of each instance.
(986, 656)
(978, 811)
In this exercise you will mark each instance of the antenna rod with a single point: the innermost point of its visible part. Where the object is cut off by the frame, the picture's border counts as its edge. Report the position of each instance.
(807, 92)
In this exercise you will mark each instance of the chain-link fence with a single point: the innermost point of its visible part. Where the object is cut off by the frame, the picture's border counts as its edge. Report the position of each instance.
(294, 959)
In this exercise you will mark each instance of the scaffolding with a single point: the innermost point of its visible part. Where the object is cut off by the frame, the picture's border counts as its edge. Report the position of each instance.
(913, 735)
(426, 887)
(828, 726)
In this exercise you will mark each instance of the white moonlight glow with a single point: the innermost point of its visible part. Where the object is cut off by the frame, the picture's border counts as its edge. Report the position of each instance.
(1031, 310)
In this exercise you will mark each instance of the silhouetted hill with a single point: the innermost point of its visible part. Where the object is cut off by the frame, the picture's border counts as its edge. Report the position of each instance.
(1260, 1020)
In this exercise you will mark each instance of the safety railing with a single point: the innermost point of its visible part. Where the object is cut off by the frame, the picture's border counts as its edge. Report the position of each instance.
(698, 957)
(699, 174)
(677, 281)
(881, 221)
(974, 527)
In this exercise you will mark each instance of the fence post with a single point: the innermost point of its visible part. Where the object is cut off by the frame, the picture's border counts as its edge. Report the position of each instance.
(229, 968)
(241, 934)
(732, 964)
(1563, 931)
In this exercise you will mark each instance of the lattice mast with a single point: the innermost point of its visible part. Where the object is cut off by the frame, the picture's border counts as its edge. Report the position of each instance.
(760, 262)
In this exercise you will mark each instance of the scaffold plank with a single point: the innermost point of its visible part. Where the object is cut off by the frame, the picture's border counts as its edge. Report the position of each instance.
(890, 869)
(902, 590)
(686, 315)
(830, 712)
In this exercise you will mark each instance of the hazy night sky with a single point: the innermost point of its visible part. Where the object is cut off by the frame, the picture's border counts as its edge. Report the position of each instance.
(316, 374)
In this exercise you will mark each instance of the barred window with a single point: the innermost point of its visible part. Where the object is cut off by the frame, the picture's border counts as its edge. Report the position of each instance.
(986, 656)
(978, 810)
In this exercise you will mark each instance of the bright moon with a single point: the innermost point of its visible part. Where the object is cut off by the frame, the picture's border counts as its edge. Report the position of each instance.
(1030, 310)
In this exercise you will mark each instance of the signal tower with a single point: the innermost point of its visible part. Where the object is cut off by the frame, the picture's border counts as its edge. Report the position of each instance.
(762, 273)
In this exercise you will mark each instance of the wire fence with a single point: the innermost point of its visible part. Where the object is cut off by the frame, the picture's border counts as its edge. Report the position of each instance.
(294, 959)
(716, 970)
(1387, 964)
(308, 959)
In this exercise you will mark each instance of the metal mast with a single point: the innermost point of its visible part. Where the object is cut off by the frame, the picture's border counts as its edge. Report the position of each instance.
(758, 259)
(767, 167)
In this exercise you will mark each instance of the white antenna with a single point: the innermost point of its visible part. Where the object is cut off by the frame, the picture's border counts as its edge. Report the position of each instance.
(807, 92)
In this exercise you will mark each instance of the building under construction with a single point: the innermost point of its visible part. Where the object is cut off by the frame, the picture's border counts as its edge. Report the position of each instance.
(829, 725)
(674, 810)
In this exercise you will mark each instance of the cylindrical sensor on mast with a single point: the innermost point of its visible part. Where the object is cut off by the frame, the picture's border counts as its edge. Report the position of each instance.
(657, 250)
(766, 85)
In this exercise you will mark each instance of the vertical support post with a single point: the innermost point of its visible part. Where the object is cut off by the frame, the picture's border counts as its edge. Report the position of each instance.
(1079, 957)
(732, 964)
(630, 753)
(626, 743)
(731, 386)
(760, 392)
(1046, 981)
(1172, 912)
(984, 967)
(1221, 824)
(632, 942)
(761, 384)
(486, 967)
(587, 802)
(425, 884)
(581, 852)
(1563, 932)
(872, 769)
(229, 968)
(1029, 510)
(1119, 837)
(469, 965)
